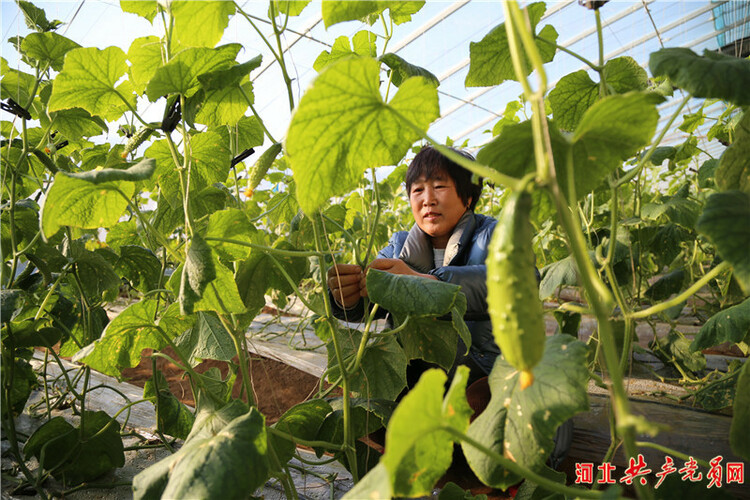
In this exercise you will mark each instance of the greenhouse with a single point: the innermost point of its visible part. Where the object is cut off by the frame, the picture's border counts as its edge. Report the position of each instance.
(375, 249)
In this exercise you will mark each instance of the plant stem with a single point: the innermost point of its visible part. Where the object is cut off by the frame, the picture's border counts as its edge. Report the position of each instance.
(349, 449)
(600, 40)
(305, 442)
(644, 313)
(374, 225)
(670, 451)
(277, 251)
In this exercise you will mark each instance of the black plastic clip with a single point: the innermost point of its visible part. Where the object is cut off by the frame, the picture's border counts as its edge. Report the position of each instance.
(172, 115)
(12, 106)
(242, 156)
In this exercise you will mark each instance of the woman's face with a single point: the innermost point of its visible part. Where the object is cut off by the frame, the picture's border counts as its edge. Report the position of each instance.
(437, 207)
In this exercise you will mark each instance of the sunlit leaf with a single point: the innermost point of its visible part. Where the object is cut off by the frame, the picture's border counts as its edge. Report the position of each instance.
(289, 7)
(302, 421)
(15, 84)
(400, 70)
(145, 58)
(571, 97)
(88, 80)
(35, 17)
(402, 294)
(48, 48)
(200, 24)
(207, 339)
(144, 8)
(342, 127)
(491, 63)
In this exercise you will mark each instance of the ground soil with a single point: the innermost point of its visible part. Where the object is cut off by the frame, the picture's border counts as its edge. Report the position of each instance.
(277, 386)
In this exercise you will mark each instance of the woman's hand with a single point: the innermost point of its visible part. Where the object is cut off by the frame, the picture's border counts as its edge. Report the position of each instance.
(347, 284)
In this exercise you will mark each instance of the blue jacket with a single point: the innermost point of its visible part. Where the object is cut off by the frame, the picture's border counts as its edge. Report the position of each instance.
(463, 265)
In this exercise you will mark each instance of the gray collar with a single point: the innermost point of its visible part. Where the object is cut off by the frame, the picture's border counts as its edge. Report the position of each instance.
(417, 249)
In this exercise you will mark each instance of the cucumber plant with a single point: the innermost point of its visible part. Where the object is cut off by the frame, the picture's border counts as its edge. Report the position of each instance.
(171, 216)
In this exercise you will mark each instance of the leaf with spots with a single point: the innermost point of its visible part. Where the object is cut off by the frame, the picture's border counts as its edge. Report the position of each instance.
(420, 450)
(430, 339)
(730, 325)
(136, 328)
(521, 424)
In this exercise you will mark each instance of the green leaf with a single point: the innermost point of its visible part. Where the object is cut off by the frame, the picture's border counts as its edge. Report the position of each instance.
(227, 465)
(208, 339)
(180, 75)
(712, 75)
(521, 424)
(88, 81)
(376, 485)
(35, 17)
(22, 384)
(172, 417)
(196, 273)
(15, 84)
(571, 97)
(75, 123)
(676, 349)
(302, 421)
(98, 278)
(363, 45)
(666, 286)
(225, 106)
(145, 58)
(612, 130)
(200, 24)
(144, 8)
(288, 7)
(79, 455)
(624, 74)
(340, 11)
(402, 294)
(48, 48)
(734, 165)
(75, 202)
(400, 70)
(401, 10)
(140, 266)
(382, 371)
(491, 63)
(707, 173)
(231, 77)
(248, 131)
(342, 127)
(231, 224)
(452, 491)
(133, 330)
(564, 272)
(220, 294)
(719, 222)
(430, 339)
(419, 449)
(691, 121)
(730, 325)
(739, 438)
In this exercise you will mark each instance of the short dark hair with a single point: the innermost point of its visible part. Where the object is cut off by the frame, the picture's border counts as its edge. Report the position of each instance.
(430, 163)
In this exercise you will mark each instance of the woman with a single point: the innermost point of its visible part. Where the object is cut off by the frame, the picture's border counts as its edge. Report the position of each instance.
(448, 242)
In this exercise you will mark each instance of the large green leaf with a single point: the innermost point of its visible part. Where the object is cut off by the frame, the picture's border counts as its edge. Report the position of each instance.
(521, 424)
(207, 339)
(97, 276)
(74, 123)
(376, 485)
(133, 330)
(675, 349)
(739, 438)
(172, 417)
(15, 84)
(400, 70)
(719, 221)
(336, 11)
(200, 24)
(382, 371)
(75, 202)
(730, 325)
(138, 265)
(564, 272)
(734, 166)
(225, 106)
(362, 44)
(402, 294)
(88, 80)
(180, 75)
(231, 224)
(712, 75)
(288, 7)
(197, 272)
(342, 127)
(228, 464)
(48, 48)
(430, 339)
(138, 172)
(145, 58)
(35, 17)
(219, 294)
(77, 455)
(231, 77)
(420, 450)
(491, 63)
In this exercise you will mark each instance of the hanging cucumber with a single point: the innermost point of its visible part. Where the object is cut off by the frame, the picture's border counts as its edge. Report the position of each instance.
(259, 170)
(136, 140)
(512, 295)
